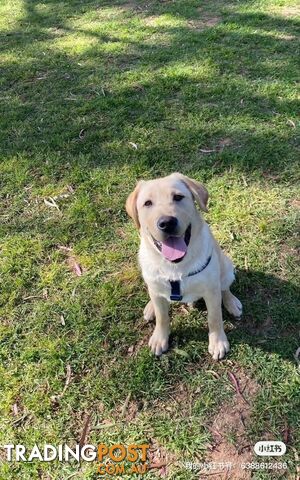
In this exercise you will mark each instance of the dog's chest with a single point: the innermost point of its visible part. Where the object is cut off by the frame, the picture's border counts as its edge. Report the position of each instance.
(187, 289)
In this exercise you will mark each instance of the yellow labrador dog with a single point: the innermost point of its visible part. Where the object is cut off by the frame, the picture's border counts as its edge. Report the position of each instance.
(179, 257)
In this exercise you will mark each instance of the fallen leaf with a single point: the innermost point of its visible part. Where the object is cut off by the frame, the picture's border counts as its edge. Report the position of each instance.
(180, 352)
(104, 424)
(75, 267)
(65, 249)
(125, 406)
(163, 471)
(203, 150)
(18, 421)
(225, 142)
(85, 431)
(291, 123)
(15, 410)
(130, 350)
(215, 374)
(237, 387)
(51, 203)
(55, 398)
(244, 181)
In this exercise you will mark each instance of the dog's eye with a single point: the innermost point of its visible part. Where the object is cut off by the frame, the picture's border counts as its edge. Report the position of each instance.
(177, 197)
(148, 203)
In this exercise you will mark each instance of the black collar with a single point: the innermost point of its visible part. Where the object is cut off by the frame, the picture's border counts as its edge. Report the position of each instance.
(201, 268)
(175, 284)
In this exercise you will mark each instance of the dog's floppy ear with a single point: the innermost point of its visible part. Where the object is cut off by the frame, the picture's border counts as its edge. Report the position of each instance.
(131, 207)
(198, 190)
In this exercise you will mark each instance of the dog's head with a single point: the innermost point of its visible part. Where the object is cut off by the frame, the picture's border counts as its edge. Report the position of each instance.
(164, 210)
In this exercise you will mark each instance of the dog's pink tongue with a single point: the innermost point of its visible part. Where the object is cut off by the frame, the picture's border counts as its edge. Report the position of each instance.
(173, 248)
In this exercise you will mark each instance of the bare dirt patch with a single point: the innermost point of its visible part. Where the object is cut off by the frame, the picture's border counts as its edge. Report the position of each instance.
(204, 22)
(160, 21)
(223, 143)
(291, 11)
(264, 328)
(295, 203)
(228, 429)
(285, 36)
(129, 410)
(288, 251)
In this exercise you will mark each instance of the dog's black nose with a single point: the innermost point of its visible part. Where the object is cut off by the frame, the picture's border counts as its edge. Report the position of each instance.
(167, 224)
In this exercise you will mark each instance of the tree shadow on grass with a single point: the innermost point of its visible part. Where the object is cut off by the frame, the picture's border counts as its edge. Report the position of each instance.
(172, 96)
(270, 318)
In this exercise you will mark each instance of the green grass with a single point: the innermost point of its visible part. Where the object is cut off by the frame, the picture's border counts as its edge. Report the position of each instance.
(81, 81)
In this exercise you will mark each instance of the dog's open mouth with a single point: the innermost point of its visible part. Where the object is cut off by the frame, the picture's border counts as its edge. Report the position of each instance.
(174, 248)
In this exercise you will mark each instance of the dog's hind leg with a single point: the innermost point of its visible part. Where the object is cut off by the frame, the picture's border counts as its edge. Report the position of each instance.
(149, 313)
(232, 304)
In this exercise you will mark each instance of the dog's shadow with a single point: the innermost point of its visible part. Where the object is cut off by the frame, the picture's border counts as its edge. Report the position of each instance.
(270, 318)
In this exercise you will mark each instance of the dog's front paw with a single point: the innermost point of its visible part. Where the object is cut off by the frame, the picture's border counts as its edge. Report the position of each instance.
(159, 342)
(218, 345)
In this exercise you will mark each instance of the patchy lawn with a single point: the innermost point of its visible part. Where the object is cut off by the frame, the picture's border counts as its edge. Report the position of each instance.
(98, 94)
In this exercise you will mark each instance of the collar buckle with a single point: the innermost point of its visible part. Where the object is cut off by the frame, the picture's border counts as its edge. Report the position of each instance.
(175, 291)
